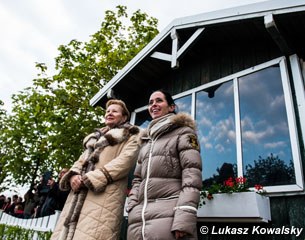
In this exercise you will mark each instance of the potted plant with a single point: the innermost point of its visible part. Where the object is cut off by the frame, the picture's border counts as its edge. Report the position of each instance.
(233, 201)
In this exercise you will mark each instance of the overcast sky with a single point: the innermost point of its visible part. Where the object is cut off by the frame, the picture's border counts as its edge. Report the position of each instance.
(32, 30)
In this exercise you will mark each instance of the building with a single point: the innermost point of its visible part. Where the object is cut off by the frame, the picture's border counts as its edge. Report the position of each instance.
(240, 73)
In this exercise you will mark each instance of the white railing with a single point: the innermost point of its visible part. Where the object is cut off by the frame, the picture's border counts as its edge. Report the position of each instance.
(41, 224)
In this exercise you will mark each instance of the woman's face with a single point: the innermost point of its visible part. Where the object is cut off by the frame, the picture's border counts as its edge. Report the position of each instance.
(114, 116)
(158, 106)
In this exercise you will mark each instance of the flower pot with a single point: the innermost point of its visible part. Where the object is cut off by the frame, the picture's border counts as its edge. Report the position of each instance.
(236, 207)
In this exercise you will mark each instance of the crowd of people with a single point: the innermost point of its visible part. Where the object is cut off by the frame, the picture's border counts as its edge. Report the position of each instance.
(40, 200)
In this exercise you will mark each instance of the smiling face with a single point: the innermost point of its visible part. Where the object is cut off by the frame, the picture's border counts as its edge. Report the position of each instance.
(114, 115)
(158, 105)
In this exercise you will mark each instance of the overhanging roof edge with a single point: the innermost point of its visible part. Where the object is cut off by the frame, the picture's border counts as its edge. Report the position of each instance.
(97, 97)
(250, 10)
(224, 15)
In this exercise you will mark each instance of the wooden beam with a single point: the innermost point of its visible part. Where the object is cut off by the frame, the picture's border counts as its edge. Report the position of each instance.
(176, 52)
(175, 47)
(276, 35)
(162, 56)
(190, 41)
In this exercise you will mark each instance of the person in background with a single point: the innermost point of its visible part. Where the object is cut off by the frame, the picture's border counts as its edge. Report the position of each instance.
(18, 211)
(62, 195)
(30, 202)
(55, 198)
(7, 204)
(167, 181)
(11, 208)
(2, 201)
(98, 180)
(42, 189)
(20, 201)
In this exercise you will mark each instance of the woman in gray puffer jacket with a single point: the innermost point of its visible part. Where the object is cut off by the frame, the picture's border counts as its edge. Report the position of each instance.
(166, 189)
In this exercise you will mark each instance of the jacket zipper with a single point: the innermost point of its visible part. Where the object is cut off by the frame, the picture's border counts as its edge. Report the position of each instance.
(146, 186)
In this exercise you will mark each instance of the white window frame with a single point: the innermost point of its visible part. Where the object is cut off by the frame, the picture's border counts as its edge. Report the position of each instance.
(298, 82)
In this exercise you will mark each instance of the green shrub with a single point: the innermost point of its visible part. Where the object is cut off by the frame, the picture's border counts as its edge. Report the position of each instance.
(8, 232)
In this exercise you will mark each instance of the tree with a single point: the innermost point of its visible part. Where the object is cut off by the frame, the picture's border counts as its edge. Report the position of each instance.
(50, 119)
(28, 132)
(3, 149)
(270, 171)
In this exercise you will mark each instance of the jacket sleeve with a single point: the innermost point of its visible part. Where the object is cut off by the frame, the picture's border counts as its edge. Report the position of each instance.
(133, 198)
(185, 217)
(76, 169)
(116, 169)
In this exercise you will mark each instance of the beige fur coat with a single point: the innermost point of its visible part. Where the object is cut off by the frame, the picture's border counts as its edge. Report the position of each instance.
(102, 209)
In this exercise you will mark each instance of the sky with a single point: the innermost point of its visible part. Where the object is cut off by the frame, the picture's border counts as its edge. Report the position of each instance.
(32, 30)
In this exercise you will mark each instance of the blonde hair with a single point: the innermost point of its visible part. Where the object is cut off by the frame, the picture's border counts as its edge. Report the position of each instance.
(125, 111)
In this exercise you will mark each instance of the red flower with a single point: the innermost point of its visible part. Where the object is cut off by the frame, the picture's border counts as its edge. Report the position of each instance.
(258, 187)
(210, 196)
(229, 182)
(241, 180)
(231, 185)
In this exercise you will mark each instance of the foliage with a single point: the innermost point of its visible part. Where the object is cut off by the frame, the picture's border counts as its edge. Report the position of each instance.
(27, 134)
(50, 119)
(270, 171)
(223, 173)
(231, 185)
(3, 150)
(8, 232)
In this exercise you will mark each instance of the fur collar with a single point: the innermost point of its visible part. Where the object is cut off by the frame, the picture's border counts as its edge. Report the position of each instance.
(116, 135)
(111, 136)
(183, 120)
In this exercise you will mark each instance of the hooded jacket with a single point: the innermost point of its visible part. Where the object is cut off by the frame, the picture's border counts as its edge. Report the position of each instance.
(166, 188)
(101, 211)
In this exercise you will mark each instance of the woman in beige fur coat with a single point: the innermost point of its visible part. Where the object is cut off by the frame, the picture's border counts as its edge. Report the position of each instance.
(98, 180)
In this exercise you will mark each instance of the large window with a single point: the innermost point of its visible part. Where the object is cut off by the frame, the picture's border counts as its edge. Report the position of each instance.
(266, 146)
(246, 126)
(216, 124)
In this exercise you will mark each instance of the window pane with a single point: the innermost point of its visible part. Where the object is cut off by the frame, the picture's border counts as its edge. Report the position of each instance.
(142, 119)
(266, 147)
(216, 124)
(184, 104)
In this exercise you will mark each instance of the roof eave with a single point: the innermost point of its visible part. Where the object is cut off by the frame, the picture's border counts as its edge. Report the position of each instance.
(242, 12)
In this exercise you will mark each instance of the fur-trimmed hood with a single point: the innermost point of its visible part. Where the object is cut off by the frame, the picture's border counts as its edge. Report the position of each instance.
(183, 120)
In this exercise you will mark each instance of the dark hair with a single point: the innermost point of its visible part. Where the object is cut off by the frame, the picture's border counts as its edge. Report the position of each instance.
(168, 98)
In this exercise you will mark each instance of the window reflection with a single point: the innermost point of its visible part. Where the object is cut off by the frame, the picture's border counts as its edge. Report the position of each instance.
(143, 119)
(266, 148)
(184, 104)
(216, 129)
(265, 141)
